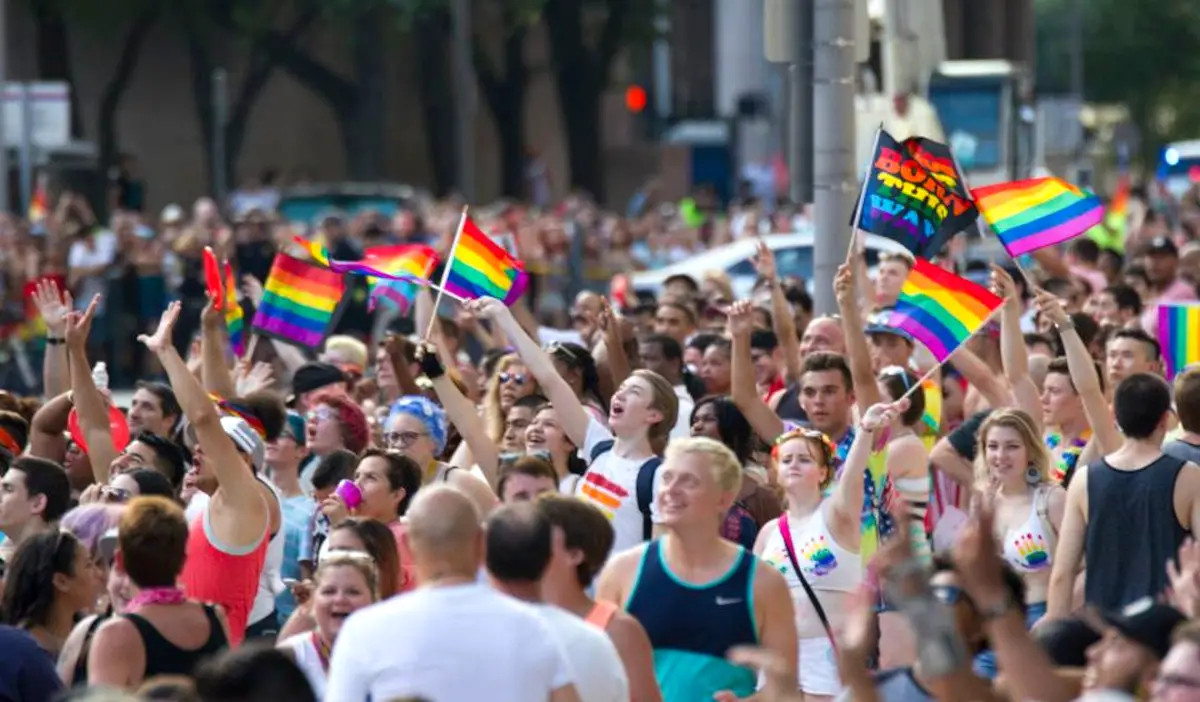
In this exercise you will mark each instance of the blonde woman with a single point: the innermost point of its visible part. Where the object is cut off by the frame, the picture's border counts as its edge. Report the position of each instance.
(510, 382)
(346, 581)
(1012, 469)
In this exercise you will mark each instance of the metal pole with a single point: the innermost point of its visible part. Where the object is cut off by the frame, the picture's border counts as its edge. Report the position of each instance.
(25, 155)
(833, 119)
(464, 94)
(801, 74)
(4, 199)
(661, 55)
(220, 82)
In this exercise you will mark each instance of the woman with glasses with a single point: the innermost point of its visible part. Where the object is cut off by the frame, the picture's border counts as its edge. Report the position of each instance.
(510, 382)
(123, 487)
(346, 581)
(161, 631)
(386, 482)
(333, 422)
(417, 428)
(51, 579)
(815, 542)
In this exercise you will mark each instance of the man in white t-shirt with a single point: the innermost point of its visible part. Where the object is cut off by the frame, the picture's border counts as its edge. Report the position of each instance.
(453, 639)
(518, 550)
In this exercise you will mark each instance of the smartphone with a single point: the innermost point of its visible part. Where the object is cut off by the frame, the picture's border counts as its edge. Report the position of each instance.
(349, 493)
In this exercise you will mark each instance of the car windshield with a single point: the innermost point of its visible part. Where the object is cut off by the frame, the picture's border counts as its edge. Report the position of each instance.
(792, 261)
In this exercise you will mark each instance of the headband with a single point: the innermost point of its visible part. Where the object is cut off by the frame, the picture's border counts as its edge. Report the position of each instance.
(426, 410)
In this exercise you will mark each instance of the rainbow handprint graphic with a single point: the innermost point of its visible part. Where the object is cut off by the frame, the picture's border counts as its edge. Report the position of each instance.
(1033, 551)
(819, 558)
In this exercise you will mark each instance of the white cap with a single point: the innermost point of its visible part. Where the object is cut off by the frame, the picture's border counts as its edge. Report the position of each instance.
(244, 438)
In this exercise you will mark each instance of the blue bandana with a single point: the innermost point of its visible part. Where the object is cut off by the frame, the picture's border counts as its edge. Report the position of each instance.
(426, 410)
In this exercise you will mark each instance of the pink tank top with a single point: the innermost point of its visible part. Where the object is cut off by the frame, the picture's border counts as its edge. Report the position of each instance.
(223, 575)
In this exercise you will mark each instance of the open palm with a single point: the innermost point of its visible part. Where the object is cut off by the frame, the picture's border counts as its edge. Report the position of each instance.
(161, 338)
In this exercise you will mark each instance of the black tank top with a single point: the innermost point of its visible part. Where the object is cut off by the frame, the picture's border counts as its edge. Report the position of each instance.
(165, 658)
(1132, 531)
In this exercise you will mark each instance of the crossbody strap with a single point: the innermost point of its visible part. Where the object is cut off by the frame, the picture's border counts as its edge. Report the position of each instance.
(812, 596)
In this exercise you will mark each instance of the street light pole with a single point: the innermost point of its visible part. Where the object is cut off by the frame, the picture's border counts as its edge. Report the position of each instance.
(464, 99)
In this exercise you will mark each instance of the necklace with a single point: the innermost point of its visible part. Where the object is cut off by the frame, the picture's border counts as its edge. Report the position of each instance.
(1065, 462)
(156, 596)
(324, 650)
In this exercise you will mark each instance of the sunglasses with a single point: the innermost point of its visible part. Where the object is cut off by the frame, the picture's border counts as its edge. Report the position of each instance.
(115, 495)
(506, 377)
(320, 414)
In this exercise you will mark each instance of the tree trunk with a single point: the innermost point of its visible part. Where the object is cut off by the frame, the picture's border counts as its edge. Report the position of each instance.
(201, 65)
(114, 90)
(54, 54)
(432, 34)
(580, 101)
(505, 97)
(366, 138)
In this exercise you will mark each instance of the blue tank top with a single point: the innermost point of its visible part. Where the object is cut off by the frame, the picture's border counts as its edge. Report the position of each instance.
(692, 627)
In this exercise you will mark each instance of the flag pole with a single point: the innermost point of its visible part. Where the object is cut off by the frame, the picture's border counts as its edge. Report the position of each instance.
(441, 286)
(929, 374)
(862, 195)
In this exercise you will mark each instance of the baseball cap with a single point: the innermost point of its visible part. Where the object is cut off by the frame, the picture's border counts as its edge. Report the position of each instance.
(1161, 245)
(877, 323)
(315, 375)
(1148, 623)
(294, 427)
(243, 435)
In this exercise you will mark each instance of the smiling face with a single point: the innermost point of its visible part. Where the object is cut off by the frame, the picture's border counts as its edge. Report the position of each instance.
(545, 433)
(341, 590)
(514, 382)
(690, 494)
(1006, 455)
(136, 455)
(630, 412)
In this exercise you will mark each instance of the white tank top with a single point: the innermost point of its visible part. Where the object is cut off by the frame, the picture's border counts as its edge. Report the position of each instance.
(826, 565)
(1030, 547)
(308, 660)
(270, 582)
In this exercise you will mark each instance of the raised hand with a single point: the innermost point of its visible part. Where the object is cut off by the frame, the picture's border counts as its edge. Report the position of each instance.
(740, 318)
(764, 262)
(53, 306)
(486, 308)
(1051, 307)
(1002, 284)
(843, 285)
(883, 414)
(210, 316)
(1184, 591)
(79, 324)
(253, 378)
(160, 340)
(253, 289)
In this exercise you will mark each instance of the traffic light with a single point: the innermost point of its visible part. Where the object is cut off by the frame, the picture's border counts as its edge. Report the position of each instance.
(635, 99)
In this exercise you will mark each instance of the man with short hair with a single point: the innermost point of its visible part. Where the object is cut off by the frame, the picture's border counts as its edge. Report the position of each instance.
(1129, 512)
(1119, 305)
(766, 355)
(153, 451)
(1133, 645)
(1187, 406)
(524, 479)
(664, 355)
(519, 539)
(34, 494)
(890, 275)
(1178, 678)
(675, 319)
(153, 409)
(461, 640)
(823, 334)
(1131, 351)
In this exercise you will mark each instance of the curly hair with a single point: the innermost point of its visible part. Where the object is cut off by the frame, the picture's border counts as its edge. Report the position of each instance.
(352, 421)
(29, 583)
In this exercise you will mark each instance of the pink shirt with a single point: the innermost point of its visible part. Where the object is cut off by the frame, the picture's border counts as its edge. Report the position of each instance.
(222, 574)
(1178, 291)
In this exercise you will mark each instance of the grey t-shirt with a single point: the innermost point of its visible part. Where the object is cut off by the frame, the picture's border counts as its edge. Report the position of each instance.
(896, 685)
(1183, 451)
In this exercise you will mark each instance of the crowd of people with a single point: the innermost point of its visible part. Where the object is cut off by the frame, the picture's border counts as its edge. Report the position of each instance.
(684, 498)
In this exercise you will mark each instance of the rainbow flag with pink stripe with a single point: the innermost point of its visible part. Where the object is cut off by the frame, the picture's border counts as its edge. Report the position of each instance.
(1027, 215)
(1179, 336)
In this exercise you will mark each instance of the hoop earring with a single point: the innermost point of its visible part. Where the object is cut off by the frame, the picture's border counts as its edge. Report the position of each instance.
(1032, 477)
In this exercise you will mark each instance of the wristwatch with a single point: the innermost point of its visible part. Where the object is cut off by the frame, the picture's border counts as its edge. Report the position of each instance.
(1065, 326)
(995, 610)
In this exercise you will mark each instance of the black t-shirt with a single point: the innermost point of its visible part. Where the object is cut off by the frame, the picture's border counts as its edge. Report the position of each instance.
(964, 438)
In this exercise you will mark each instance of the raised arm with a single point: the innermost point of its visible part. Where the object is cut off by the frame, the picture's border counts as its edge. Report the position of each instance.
(848, 495)
(1013, 354)
(762, 418)
(462, 414)
(1083, 374)
(90, 405)
(866, 392)
(571, 413)
(614, 350)
(781, 313)
(46, 429)
(54, 308)
(218, 379)
(993, 388)
(238, 486)
(1068, 555)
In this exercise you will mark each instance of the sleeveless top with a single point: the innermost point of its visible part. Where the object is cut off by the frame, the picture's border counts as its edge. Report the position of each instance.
(692, 627)
(1030, 547)
(165, 658)
(1132, 531)
(222, 574)
(270, 582)
(79, 673)
(825, 564)
(601, 614)
(307, 659)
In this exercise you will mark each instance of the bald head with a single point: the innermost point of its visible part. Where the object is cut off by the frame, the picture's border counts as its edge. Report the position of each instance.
(823, 334)
(443, 525)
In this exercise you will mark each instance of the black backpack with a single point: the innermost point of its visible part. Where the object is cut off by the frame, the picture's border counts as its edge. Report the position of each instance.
(644, 486)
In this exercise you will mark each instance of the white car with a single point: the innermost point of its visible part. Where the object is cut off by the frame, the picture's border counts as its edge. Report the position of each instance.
(793, 257)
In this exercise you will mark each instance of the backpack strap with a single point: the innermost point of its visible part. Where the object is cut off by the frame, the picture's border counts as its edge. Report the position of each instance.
(645, 494)
(600, 449)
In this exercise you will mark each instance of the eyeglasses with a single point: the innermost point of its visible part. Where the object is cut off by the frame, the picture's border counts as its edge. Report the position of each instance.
(402, 439)
(947, 594)
(115, 495)
(320, 414)
(506, 377)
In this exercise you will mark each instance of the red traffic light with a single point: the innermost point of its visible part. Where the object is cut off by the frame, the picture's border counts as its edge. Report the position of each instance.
(635, 98)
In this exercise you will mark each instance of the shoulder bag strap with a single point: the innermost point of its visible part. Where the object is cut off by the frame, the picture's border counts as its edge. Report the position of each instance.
(812, 596)
(1041, 499)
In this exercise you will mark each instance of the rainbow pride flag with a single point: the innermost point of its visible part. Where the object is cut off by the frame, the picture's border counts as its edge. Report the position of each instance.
(1031, 214)
(414, 262)
(234, 317)
(300, 302)
(479, 267)
(1179, 335)
(940, 309)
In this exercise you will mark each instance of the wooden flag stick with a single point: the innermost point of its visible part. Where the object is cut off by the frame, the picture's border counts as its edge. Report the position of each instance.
(441, 286)
(929, 374)
(249, 354)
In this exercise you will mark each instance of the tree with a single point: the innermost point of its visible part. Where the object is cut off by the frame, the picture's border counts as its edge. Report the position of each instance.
(585, 38)
(53, 48)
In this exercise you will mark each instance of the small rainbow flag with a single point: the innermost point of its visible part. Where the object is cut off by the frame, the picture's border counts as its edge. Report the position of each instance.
(234, 318)
(413, 261)
(300, 302)
(479, 267)
(39, 202)
(940, 309)
(1179, 335)
(1030, 214)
